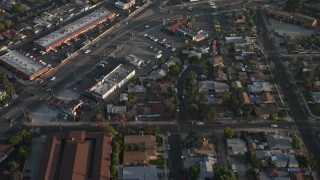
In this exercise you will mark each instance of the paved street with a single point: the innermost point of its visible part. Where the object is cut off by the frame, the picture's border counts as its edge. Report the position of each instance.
(297, 110)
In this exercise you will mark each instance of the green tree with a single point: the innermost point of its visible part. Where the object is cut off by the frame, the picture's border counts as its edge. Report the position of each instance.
(296, 141)
(208, 114)
(194, 60)
(193, 109)
(225, 174)
(8, 23)
(293, 5)
(161, 60)
(14, 169)
(109, 129)
(24, 151)
(273, 116)
(228, 132)
(174, 70)
(22, 138)
(17, 19)
(255, 161)
(194, 171)
(19, 8)
(99, 116)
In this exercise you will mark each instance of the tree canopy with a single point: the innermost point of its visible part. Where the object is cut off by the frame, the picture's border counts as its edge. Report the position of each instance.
(228, 132)
(225, 174)
(208, 114)
(109, 129)
(194, 171)
(296, 141)
(19, 8)
(293, 5)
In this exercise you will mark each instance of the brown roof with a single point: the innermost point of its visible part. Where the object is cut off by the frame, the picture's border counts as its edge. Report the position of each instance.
(217, 60)
(147, 148)
(5, 148)
(268, 97)
(203, 147)
(76, 155)
(134, 157)
(148, 140)
(244, 98)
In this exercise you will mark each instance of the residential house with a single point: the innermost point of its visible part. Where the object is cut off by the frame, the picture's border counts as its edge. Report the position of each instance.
(264, 110)
(123, 97)
(243, 97)
(137, 89)
(216, 61)
(277, 142)
(116, 109)
(22, 26)
(258, 87)
(146, 149)
(158, 74)
(284, 160)
(212, 86)
(236, 146)
(239, 18)
(9, 34)
(259, 77)
(236, 84)
(206, 168)
(204, 147)
(264, 98)
(218, 74)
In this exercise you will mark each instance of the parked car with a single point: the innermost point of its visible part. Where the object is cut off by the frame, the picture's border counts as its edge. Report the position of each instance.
(87, 51)
(53, 78)
(274, 125)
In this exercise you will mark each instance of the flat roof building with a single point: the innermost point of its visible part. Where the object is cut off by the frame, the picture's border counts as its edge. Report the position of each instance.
(22, 65)
(137, 172)
(76, 155)
(112, 81)
(73, 29)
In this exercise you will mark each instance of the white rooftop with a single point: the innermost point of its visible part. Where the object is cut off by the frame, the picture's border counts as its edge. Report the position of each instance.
(21, 62)
(73, 27)
(112, 79)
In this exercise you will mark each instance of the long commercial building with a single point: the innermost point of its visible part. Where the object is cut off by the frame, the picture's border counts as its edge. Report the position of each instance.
(112, 81)
(22, 66)
(76, 155)
(73, 29)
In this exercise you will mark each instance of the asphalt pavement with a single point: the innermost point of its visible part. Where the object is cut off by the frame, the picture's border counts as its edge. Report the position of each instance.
(299, 115)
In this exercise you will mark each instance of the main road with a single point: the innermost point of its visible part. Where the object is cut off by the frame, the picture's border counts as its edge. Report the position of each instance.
(306, 126)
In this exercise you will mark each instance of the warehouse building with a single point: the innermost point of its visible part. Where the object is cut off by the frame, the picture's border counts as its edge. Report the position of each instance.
(75, 155)
(73, 29)
(112, 81)
(22, 66)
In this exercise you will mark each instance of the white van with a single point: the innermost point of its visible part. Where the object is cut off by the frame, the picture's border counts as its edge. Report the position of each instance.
(157, 56)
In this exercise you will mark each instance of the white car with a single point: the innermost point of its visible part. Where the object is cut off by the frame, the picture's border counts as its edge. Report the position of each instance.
(87, 51)
(53, 78)
(147, 26)
(200, 123)
(274, 125)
